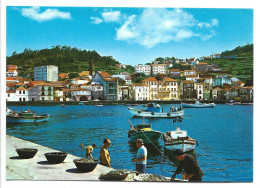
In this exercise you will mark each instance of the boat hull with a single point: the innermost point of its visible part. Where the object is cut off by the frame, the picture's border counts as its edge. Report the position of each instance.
(13, 119)
(142, 113)
(185, 105)
(183, 145)
(147, 136)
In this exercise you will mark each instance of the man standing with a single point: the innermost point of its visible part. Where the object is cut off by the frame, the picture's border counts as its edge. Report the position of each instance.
(89, 151)
(104, 154)
(190, 166)
(140, 157)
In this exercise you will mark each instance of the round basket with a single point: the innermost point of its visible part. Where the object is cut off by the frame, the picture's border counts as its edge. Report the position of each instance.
(85, 165)
(26, 153)
(55, 157)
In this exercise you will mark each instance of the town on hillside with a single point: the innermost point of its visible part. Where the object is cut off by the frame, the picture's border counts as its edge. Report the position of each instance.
(193, 79)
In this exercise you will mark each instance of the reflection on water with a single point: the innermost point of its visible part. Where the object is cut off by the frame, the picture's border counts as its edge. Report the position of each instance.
(224, 133)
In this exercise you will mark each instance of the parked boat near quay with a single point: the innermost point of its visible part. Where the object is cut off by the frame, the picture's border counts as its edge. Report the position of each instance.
(26, 117)
(156, 111)
(198, 105)
(145, 132)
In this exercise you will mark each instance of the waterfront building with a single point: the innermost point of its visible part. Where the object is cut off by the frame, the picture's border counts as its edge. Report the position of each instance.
(206, 91)
(187, 90)
(10, 86)
(46, 73)
(146, 69)
(141, 92)
(217, 93)
(97, 90)
(80, 94)
(46, 92)
(110, 84)
(174, 73)
(58, 95)
(123, 92)
(162, 88)
(199, 89)
(11, 95)
(22, 94)
(34, 93)
(246, 93)
(221, 81)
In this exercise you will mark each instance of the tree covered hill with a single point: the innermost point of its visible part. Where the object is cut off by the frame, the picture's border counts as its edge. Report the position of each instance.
(238, 62)
(66, 58)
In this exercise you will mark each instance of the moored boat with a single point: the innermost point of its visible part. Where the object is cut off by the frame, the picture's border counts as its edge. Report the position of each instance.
(178, 139)
(156, 111)
(198, 105)
(26, 117)
(145, 132)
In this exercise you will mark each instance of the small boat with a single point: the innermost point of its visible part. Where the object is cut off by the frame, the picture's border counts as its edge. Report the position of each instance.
(98, 105)
(198, 105)
(145, 132)
(178, 139)
(26, 117)
(81, 103)
(156, 111)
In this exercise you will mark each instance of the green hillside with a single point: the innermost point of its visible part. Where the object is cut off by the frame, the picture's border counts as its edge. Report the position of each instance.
(66, 58)
(238, 62)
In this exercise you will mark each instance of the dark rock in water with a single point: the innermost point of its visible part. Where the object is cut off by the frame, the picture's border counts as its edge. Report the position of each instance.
(150, 177)
(115, 175)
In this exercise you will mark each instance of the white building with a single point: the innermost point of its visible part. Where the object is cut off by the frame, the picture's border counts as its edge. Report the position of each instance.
(11, 96)
(46, 73)
(192, 77)
(159, 69)
(189, 72)
(141, 92)
(79, 81)
(146, 69)
(199, 91)
(22, 94)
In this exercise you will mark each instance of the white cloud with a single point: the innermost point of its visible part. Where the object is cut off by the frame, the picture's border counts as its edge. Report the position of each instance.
(96, 20)
(214, 22)
(47, 15)
(155, 26)
(111, 16)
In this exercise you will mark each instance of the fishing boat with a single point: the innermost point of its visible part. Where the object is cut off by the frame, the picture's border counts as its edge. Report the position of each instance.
(26, 117)
(145, 132)
(156, 111)
(198, 105)
(178, 139)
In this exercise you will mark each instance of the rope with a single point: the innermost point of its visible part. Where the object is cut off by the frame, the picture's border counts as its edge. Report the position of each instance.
(157, 148)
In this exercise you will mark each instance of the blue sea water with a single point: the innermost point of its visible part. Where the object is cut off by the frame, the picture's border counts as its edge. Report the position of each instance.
(224, 134)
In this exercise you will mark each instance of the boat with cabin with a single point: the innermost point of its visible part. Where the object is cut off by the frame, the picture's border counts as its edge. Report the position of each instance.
(156, 111)
(145, 132)
(178, 139)
(25, 117)
(198, 105)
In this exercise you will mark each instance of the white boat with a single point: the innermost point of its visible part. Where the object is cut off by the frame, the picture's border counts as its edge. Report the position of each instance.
(26, 117)
(198, 105)
(156, 111)
(178, 139)
(98, 105)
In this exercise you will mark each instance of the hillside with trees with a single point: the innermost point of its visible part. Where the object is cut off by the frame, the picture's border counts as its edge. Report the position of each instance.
(68, 59)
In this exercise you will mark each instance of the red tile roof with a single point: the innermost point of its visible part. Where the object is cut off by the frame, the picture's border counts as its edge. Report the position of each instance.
(10, 78)
(21, 89)
(104, 74)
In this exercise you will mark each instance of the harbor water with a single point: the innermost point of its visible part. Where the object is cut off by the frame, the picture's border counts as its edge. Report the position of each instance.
(224, 135)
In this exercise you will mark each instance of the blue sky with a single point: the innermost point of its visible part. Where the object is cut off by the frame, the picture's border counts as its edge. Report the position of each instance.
(131, 35)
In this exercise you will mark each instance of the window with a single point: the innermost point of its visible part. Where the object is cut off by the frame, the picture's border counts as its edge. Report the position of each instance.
(8, 95)
(23, 99)
(20, 99)
(23, 92)
(20, 92)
